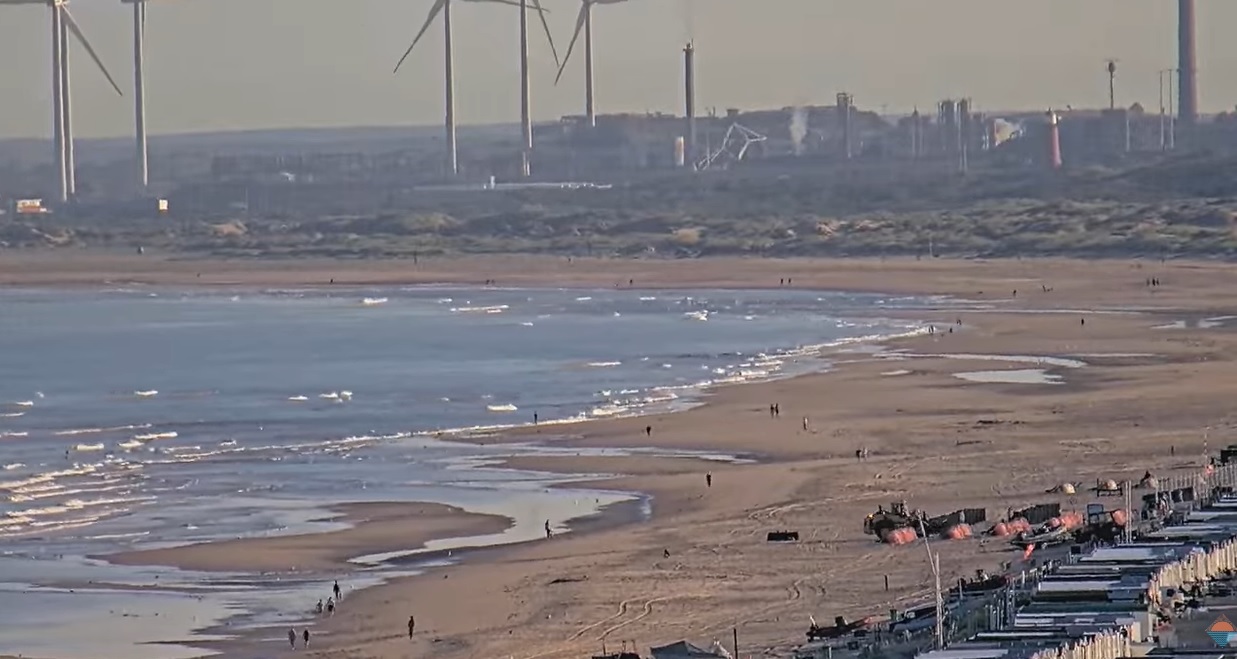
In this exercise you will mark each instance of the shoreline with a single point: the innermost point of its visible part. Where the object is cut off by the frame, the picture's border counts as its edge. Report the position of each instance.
(370, 526)
(679, 498)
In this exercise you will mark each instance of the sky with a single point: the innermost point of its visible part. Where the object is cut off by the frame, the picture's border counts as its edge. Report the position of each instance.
(249, 64)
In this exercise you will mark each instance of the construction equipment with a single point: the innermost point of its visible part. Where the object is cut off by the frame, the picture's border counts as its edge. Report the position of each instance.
(737, 141)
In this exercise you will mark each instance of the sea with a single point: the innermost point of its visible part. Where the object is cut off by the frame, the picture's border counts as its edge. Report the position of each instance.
(145, 417)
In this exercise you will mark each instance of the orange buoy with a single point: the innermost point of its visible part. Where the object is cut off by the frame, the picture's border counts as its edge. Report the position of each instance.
(1119, 518)
(1001, 530)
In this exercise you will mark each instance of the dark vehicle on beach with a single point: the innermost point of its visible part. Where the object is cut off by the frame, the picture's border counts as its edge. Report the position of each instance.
(917, 619)
(839, 628)
(981, 584)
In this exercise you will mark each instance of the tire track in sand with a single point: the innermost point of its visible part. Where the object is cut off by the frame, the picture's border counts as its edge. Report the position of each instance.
(648, 609)
(622, 610)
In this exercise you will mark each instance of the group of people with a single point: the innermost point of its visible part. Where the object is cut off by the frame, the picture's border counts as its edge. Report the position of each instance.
(329, 609)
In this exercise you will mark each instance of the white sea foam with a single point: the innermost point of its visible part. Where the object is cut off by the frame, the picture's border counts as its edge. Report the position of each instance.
(527, 323)
(24, 403)
(583, 299)
(11, 415)
(604, 364)
(298, 398)
(697, 315)
(373, 301)
(497, 308)
(146, 393)
(507, 407)
(647, 298)
(130, 444)
(14, 465)
(89, 447)
(6, 434)
(91, 431)
(76, 470)
(147, 437)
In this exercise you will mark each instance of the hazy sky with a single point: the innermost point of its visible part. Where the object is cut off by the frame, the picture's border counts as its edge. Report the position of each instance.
(236, 64)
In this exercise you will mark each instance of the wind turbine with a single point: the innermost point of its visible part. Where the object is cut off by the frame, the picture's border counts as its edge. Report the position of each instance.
(444, 7)
(526, 122)
(62, 120)
(139, 91)
(584, 21)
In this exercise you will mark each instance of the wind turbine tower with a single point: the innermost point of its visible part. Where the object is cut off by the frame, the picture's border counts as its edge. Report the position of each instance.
(444, 7)
(526, 111)
(689, 98)
(62, 24)
(584, 22)
(142, 165)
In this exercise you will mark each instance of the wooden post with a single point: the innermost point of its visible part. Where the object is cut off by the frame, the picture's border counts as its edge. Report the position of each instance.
(886, 583)
(736, 642)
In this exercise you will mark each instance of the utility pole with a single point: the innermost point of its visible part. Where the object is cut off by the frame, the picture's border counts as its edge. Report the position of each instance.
(934, 559)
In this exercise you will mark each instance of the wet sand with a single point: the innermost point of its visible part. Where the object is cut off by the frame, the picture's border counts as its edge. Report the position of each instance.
(372, 528)
(1146, 399)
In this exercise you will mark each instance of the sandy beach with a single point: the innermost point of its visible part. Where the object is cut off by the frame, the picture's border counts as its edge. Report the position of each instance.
(1141, 378)
(375, 527)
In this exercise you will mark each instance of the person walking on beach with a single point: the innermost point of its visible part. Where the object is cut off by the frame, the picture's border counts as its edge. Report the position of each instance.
(771, 413)
(805, 424)
(648, 430)
(292, 637)
(330, 606)
(412, 626)
(336, 589)
(318, 609)
(535, 418)
(708, 479)
(549, 533)
(305, 638)
(777, 409)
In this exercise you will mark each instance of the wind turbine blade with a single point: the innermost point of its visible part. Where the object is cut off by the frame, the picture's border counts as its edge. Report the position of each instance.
(429, 20)
(81, 38)
(546, 24)
(574, 37)
(513, 3)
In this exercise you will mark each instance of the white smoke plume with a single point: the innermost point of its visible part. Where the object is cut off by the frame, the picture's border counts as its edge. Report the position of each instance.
(798, 128)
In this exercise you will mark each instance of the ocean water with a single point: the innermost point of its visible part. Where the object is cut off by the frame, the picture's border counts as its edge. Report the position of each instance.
(141, 417)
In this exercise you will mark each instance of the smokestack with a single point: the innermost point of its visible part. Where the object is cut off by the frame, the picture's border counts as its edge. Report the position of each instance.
(1187, 62)
(1054, 140)
(964, 133)
(916, 137)
(844, 105)
(689, 84)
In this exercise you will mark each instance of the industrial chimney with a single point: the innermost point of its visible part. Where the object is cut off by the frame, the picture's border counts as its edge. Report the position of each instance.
(845, 103)
(964, 134)
(689, 83)
(1187, 63)
(1054, 140)
(916, 135)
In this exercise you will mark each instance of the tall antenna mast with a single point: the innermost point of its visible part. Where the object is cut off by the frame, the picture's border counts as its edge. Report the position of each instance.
(1112, 84)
